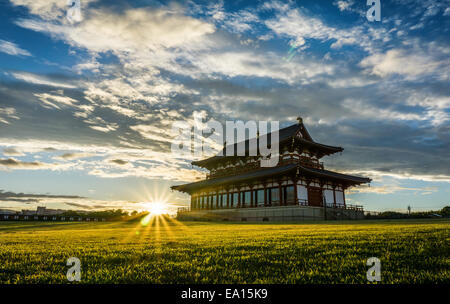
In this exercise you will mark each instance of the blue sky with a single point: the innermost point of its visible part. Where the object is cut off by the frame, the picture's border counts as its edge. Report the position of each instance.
(87, 104)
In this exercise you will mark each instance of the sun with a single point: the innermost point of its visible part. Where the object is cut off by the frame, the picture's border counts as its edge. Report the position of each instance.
(156, 207)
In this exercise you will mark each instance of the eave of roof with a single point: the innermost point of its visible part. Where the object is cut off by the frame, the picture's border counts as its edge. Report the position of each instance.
(334, 175)
(349, 179)
(235, 178)
(332, 149)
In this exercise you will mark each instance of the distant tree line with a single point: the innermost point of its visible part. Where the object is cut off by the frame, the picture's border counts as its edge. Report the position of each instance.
(113, 214)
(444, 212)
(109, 215)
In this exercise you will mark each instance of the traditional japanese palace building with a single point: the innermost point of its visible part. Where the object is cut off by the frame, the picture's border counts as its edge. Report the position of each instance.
(297, 188)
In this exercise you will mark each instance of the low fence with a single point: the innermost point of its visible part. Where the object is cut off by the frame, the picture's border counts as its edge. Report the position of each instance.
(273, 214)
(337, 206)
(48, 218)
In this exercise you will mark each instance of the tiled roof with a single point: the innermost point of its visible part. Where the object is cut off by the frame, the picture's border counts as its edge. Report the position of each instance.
(284, 135)
(236, 178)
(274, 171)
(333, 175)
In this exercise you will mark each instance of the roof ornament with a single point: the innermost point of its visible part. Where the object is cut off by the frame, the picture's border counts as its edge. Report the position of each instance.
(300, 120)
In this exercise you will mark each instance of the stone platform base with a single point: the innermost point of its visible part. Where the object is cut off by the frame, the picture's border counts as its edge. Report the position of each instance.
(272, 214)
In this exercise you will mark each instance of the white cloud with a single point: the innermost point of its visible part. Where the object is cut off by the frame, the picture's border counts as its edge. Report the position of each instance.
(401, 62)
(55, 101)
(99, 124)
(149, 43)
(389, 189)
(38, 79)
(7, 113)
(344, 5)
(141, 161)
(293, 22)
(12, 152)
(74, 155)
(49, 9)
(149, 40)
(134, 30)
(12, 49)
(15, 164)
(234, 22)
(402, 175)
(367, 111)
(154, 133)
(263, 65)
(436, 107)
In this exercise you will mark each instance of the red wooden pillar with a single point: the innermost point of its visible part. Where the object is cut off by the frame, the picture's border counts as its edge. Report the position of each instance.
(295, 192)
(324, 202)
(308, 182)
(265, 195)
(280, 194)
(343, 195)
(239, 198)
(334, 196)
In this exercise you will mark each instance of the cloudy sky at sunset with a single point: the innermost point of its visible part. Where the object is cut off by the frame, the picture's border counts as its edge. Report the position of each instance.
(86, 107)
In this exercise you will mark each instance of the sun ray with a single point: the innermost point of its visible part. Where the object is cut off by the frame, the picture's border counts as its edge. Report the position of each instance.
(167, 227)
(177, 223)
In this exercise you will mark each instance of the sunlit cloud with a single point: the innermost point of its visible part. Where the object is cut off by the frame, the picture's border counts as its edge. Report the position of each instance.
(39, 79)
(130, 72)
(11, 48)
(7, 114)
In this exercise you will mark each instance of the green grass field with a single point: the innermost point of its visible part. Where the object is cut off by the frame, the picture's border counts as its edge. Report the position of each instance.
(166, 251)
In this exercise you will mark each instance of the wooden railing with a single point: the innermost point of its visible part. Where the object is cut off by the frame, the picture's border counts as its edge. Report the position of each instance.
(234, 170)
(347, 207)
(309, 162)
(302, 160)
(288, 203)
(183, 209)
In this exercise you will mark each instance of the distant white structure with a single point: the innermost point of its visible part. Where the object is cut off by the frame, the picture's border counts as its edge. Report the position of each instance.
(6, 211)
(28, 212)
(45, 211)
